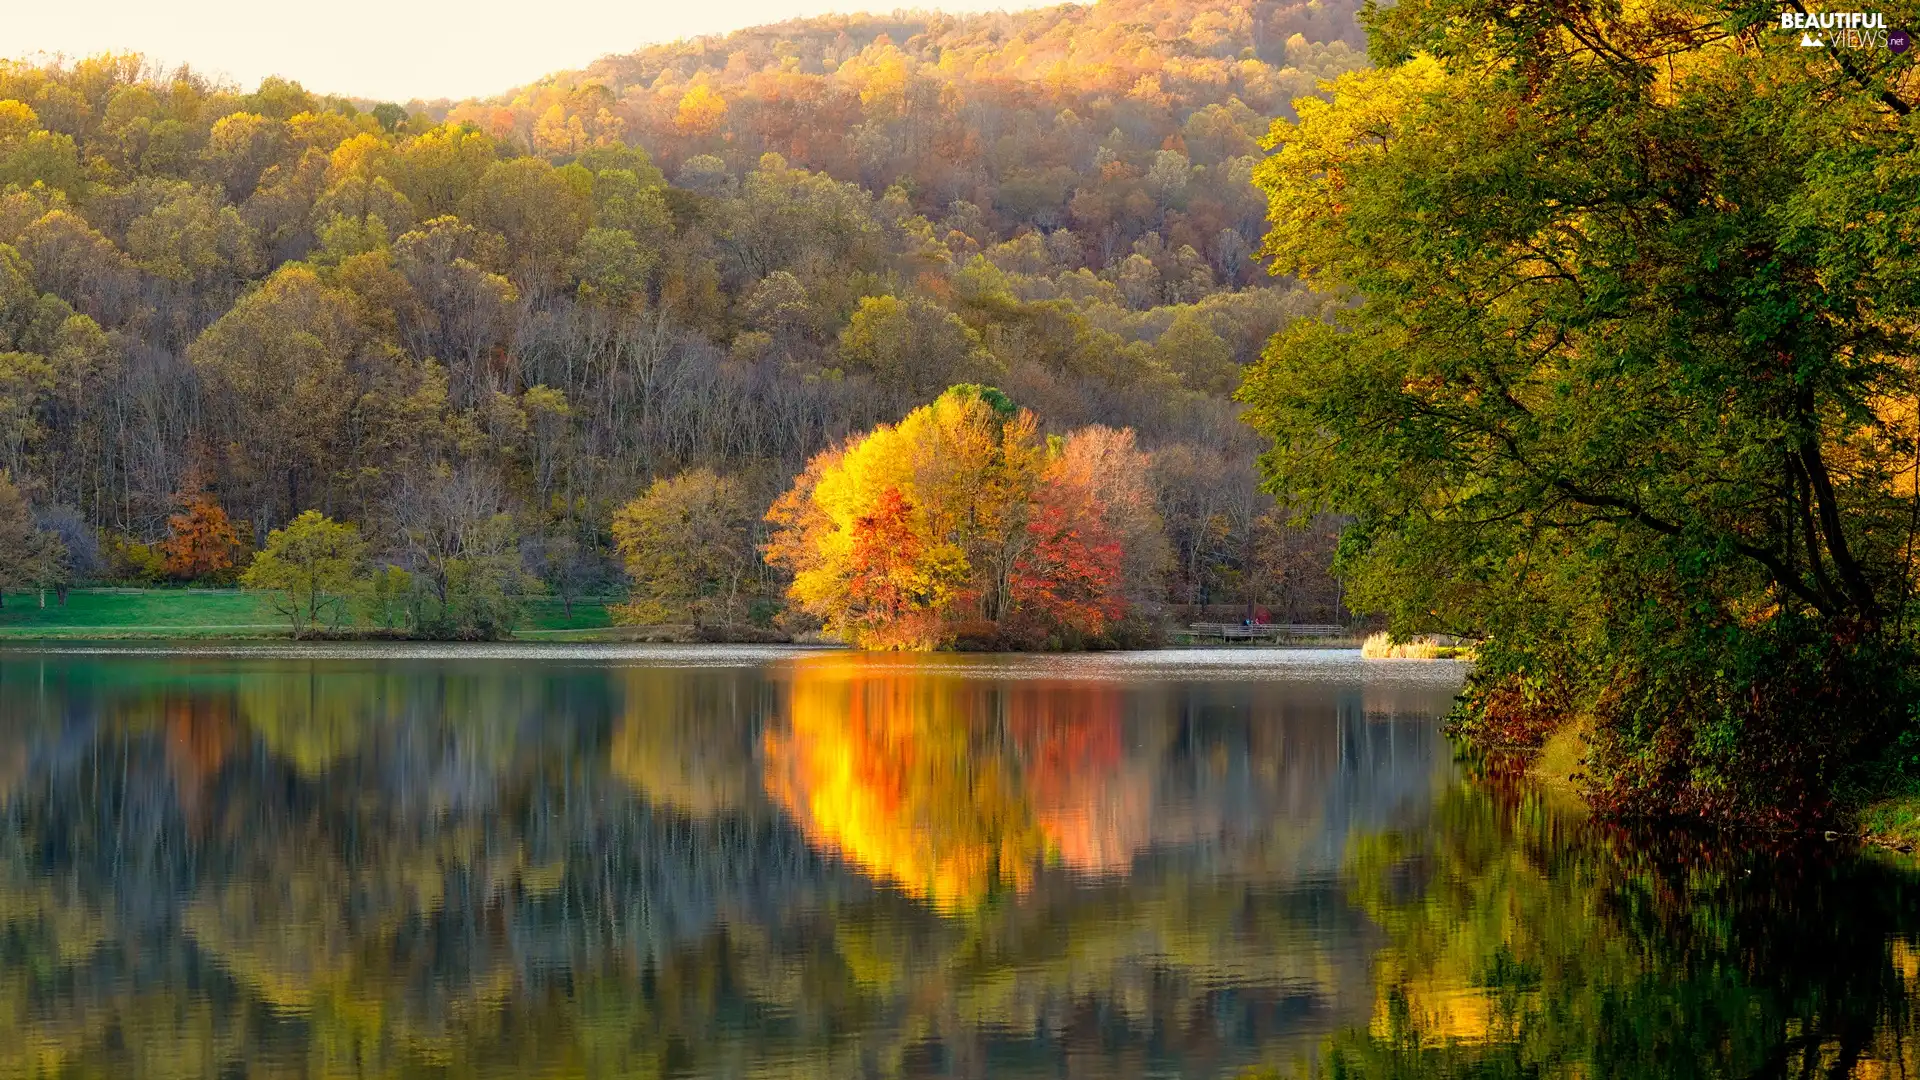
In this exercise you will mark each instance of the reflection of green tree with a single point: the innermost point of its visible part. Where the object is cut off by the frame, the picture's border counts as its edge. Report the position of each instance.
(311, 722)
(315, 714)
(1521, 945)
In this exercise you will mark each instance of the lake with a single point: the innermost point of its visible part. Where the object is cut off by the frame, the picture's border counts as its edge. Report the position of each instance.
(742, 862)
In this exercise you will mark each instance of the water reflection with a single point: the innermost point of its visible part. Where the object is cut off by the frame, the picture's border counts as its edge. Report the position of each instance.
(753, 864)
(1519, 943)
(906, 773)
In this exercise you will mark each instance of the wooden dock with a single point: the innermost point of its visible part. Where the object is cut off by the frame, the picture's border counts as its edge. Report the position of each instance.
(1266, 631)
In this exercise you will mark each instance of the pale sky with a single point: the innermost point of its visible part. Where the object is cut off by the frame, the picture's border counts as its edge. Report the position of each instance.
(397, 49)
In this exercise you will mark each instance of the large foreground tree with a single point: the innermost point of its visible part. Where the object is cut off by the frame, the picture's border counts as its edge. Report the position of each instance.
(1624, 383)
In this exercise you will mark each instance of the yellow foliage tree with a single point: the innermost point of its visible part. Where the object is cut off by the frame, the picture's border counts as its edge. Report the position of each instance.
(950, 483)
(701, 111)
(688, 546)
(959, 524)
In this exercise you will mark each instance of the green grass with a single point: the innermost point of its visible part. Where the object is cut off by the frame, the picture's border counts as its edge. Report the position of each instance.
(547, 618)
(225, 613)
(1892, 823)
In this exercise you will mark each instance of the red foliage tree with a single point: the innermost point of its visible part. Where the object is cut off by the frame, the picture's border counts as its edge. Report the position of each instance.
(882, 578)
(1070, 576)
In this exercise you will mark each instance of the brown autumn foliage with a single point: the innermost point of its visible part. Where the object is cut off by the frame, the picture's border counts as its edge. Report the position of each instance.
(200, 542)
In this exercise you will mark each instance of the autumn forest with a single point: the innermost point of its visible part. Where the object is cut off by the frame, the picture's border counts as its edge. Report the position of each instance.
(1569, 350)
(581, 338)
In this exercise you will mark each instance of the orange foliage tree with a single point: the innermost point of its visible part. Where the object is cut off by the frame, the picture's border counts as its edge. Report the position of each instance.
(200, 541)
(961, 525)
(882, 580)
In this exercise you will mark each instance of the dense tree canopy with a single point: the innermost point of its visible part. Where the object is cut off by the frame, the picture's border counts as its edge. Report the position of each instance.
(1625, 381)
(538, 306)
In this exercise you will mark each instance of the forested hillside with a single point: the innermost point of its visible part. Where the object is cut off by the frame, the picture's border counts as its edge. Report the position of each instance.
(1115, 120)
(477, 330)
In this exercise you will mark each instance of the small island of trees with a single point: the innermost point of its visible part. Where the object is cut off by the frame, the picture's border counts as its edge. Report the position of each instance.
(960, 525)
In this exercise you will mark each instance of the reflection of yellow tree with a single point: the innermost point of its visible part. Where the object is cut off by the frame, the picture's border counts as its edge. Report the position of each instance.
(682, 739)
(886, 765)
(312, 722)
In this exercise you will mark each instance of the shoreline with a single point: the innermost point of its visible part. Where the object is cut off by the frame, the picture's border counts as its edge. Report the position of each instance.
(136, 613)
(1891, 824)
(659, 635)
(1558, 772)
(668, 634)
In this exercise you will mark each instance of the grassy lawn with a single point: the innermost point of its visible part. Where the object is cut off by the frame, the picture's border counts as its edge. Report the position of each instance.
(547, 617)
(1892, 823)
(217, 613)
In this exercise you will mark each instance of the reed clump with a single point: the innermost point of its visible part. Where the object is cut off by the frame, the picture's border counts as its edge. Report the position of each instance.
(1381, 646)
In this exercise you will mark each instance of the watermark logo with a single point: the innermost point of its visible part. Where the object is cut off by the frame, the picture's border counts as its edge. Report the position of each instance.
(1851, 30)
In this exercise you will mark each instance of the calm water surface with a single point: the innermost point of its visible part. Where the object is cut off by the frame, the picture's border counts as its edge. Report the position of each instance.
(734, 862)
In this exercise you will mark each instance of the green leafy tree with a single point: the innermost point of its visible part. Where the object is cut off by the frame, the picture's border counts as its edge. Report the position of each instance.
(49, 565)
(612, 267)
(383, 603)
(913, 345)
(391, 116)
(487, 586)
(314, 566)
(1623, 385)
(1189, 346)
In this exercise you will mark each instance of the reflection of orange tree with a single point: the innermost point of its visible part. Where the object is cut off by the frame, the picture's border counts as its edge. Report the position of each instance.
(1093, 805)
(201, 730)
(895, 767)
(912, 775)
